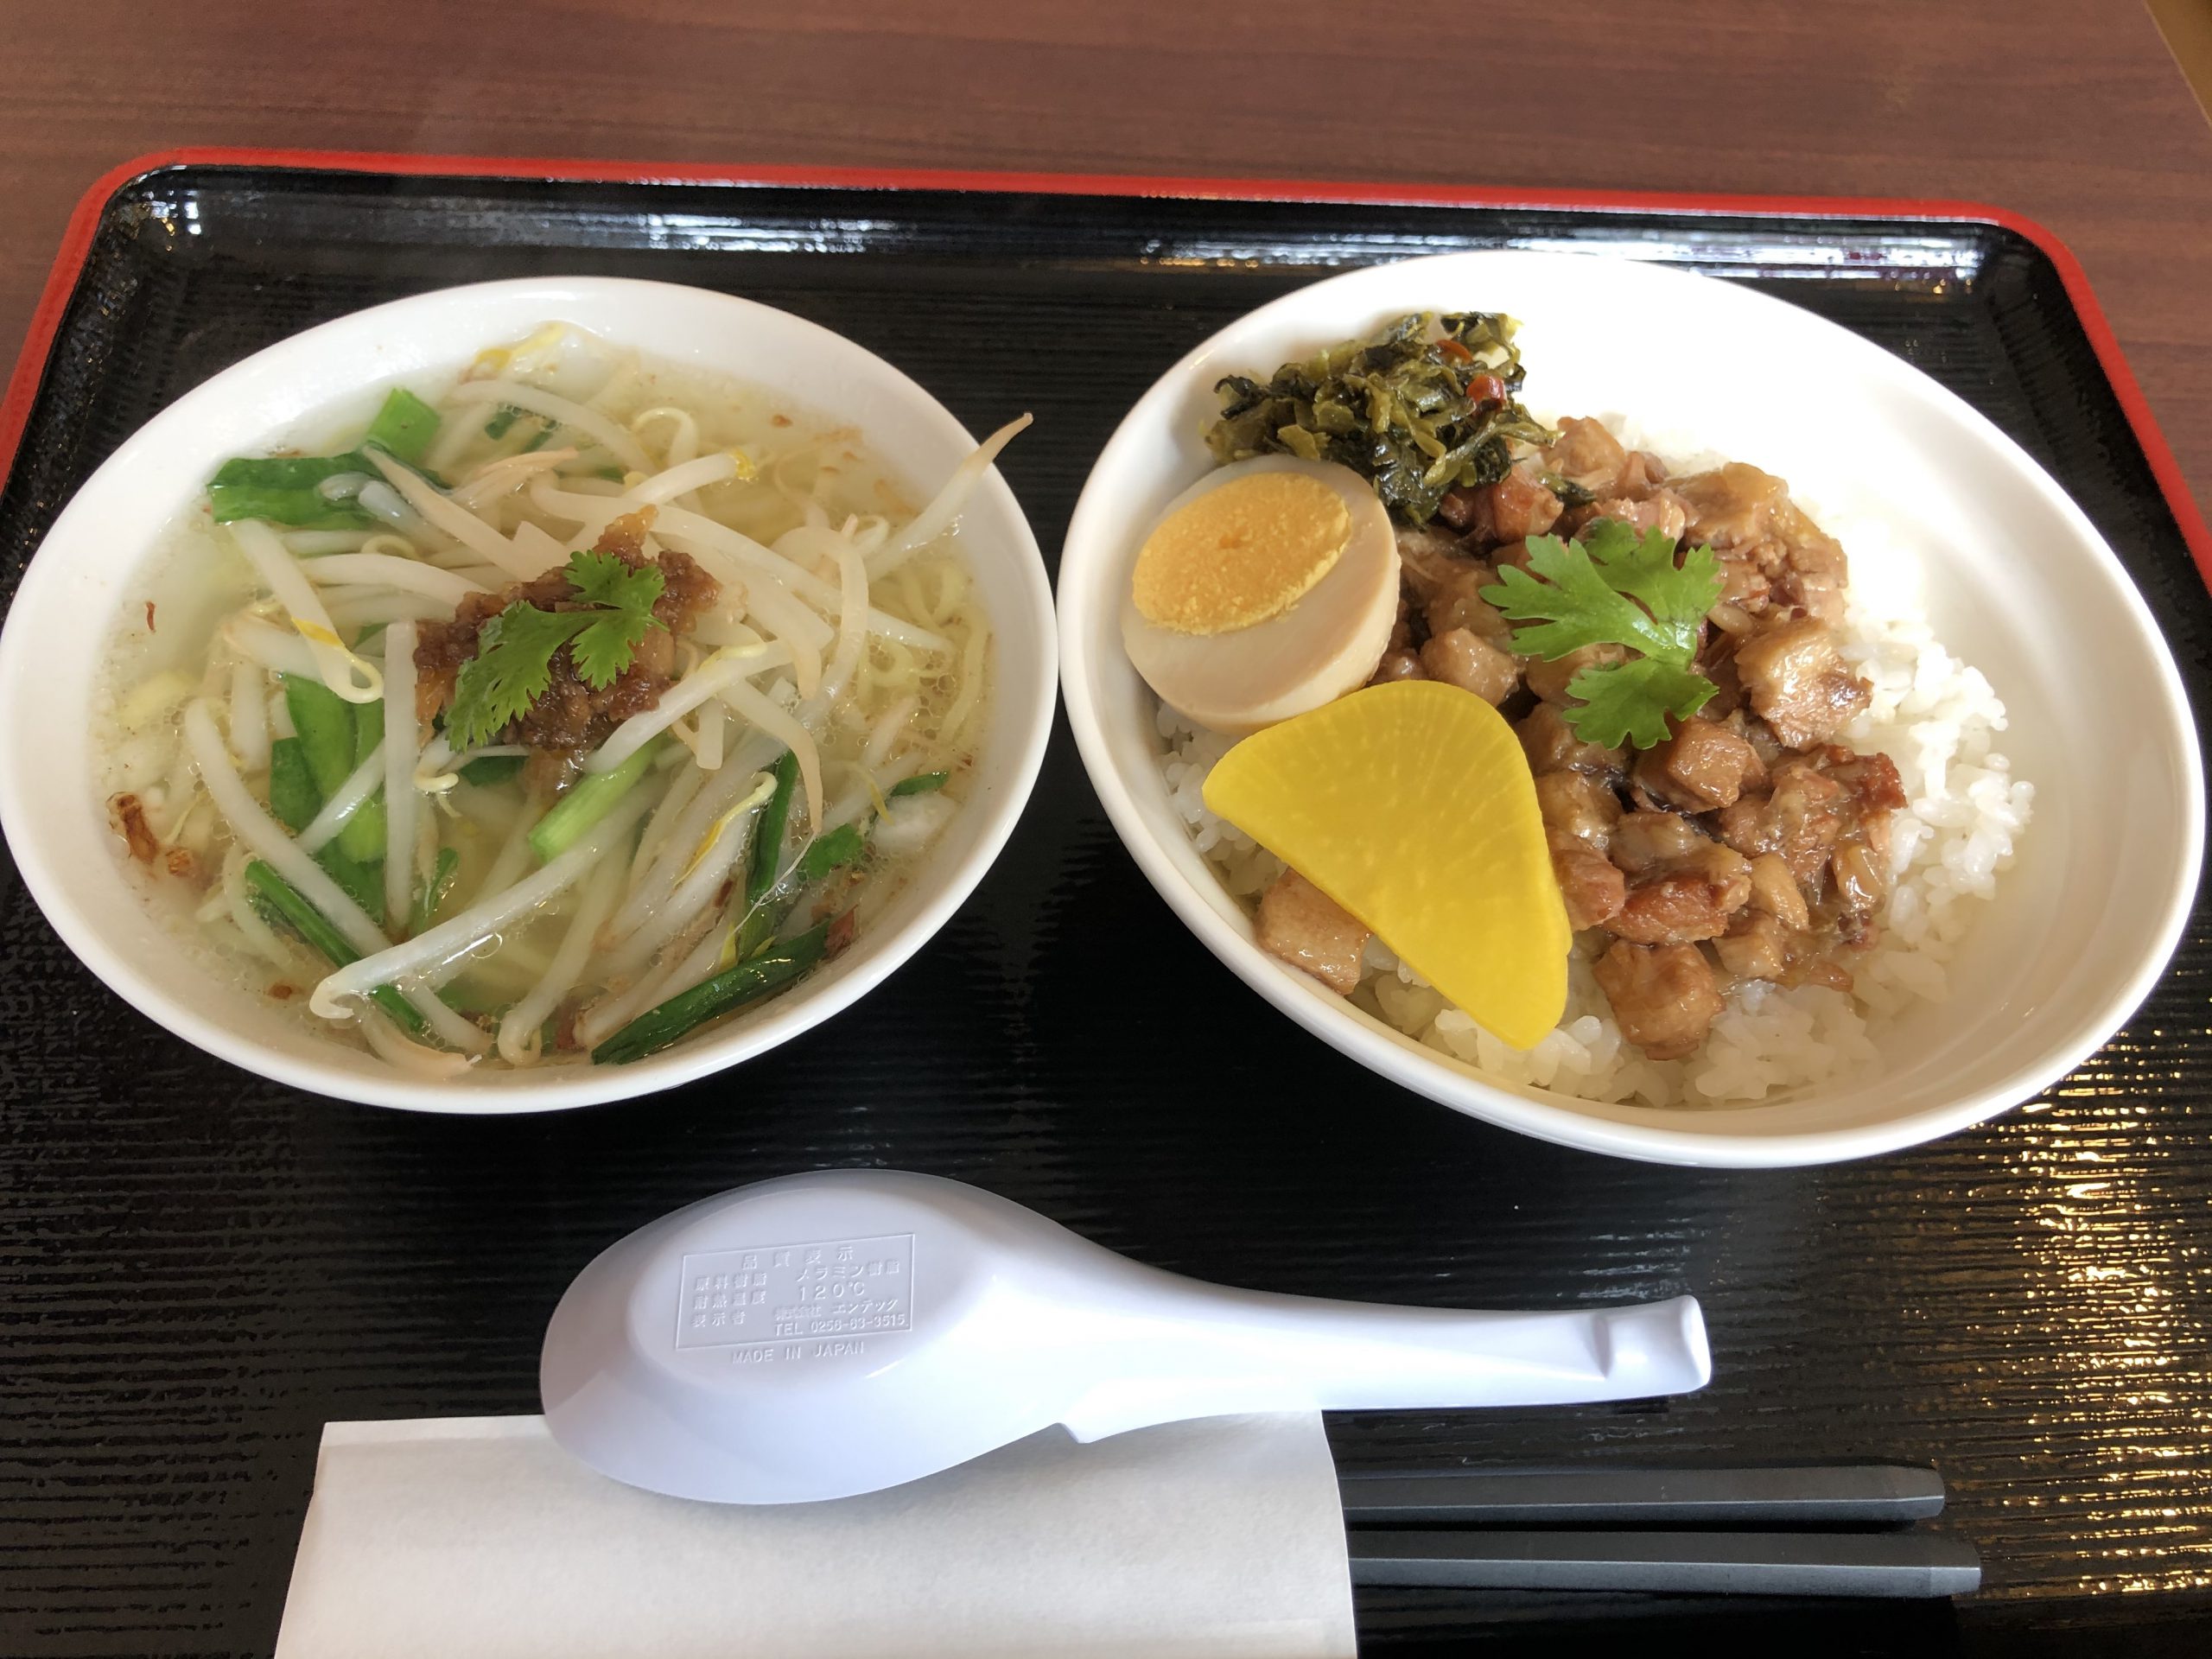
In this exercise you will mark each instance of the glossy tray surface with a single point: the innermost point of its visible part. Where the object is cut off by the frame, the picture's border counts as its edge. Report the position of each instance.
(197, 1269)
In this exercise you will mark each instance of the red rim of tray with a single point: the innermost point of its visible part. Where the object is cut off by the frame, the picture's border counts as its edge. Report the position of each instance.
(84, 224)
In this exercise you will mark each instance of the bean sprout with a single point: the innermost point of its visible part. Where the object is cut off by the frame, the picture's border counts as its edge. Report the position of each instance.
(749, 700)
(519, 1030)
(454, 938)
(340, 669)
(353, 609)
(694, 689)
(273, 648)
(589, 422)
(345, 801)
(935, 518)
(498, 477)
(456, 521)
(408, 576)
(310, 544)
(261, 835)
(248, 716)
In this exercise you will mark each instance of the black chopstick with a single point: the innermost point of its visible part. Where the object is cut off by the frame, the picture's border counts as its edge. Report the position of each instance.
(1856, 1494)
(1709, 1563)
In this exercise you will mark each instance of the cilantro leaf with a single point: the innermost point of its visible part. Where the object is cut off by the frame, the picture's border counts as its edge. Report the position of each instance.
(1572, 608)
(604, 649)
(603, 579)
(1643, 568)
(605, 645)
(512, 666)
(1591, 588)
(1616, 587)
(1632, 700)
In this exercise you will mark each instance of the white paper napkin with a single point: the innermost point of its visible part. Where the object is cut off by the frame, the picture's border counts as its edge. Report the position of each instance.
(479, 1538)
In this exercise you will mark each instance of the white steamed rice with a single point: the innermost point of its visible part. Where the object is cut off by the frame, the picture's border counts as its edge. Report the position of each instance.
(1933, 714)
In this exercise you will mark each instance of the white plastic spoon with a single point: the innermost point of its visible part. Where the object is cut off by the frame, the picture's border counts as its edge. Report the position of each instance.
(839, 1332)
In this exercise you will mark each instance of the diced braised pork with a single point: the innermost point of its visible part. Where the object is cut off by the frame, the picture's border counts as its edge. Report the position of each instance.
(1663, 997)
(1771, 552)
(1644, 472)
(1703, 768)
(1716, 661)
(1446, 585)
(1760, 945)
(1593, 889)
(1433, 562)
(1549, 680)
(1797, 682)
(1587, 455)
(1399, 664)
(1466, 608)
(1577, 806)
(1818, 800)
(1755, 832)
(1807, 566)
(1859, 871)
(1798, 820)
(1775, 892)
(1861, 876)
(1682, 887)
(1513, 553)
(1551, 746)
(1649, 841)
(1579, 814)
(1755, 946)
(1460, 657)
(1456, 507)
(1810, 967)
(1662, 511)
(1730, 506)
(1515, 507)
(1313, 932)
(1681, 906)
(1871, 780)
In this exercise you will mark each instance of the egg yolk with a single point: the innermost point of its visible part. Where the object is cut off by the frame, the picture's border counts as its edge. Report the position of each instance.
(1240, 554)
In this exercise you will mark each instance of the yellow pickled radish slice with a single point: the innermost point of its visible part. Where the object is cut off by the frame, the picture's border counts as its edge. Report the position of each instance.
(1411, 804)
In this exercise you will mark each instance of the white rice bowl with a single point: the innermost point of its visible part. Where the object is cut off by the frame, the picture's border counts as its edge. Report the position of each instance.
(1936, 716)
(2017, 579)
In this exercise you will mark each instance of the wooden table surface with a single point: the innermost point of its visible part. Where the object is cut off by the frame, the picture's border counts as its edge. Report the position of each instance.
(2069, 112)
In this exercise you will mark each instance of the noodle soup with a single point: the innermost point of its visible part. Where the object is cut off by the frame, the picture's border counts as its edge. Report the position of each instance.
(547, 715)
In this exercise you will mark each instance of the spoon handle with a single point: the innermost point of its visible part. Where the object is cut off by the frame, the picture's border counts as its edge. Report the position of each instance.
(1237, 1351)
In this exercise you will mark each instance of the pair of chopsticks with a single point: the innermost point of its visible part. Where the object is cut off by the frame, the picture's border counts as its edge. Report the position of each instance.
(1812, 1530)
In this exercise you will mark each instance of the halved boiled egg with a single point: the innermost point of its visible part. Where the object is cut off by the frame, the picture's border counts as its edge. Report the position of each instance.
(1266, 589)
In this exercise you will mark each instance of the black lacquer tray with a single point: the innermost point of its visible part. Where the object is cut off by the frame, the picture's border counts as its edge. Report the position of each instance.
(197, 1268)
